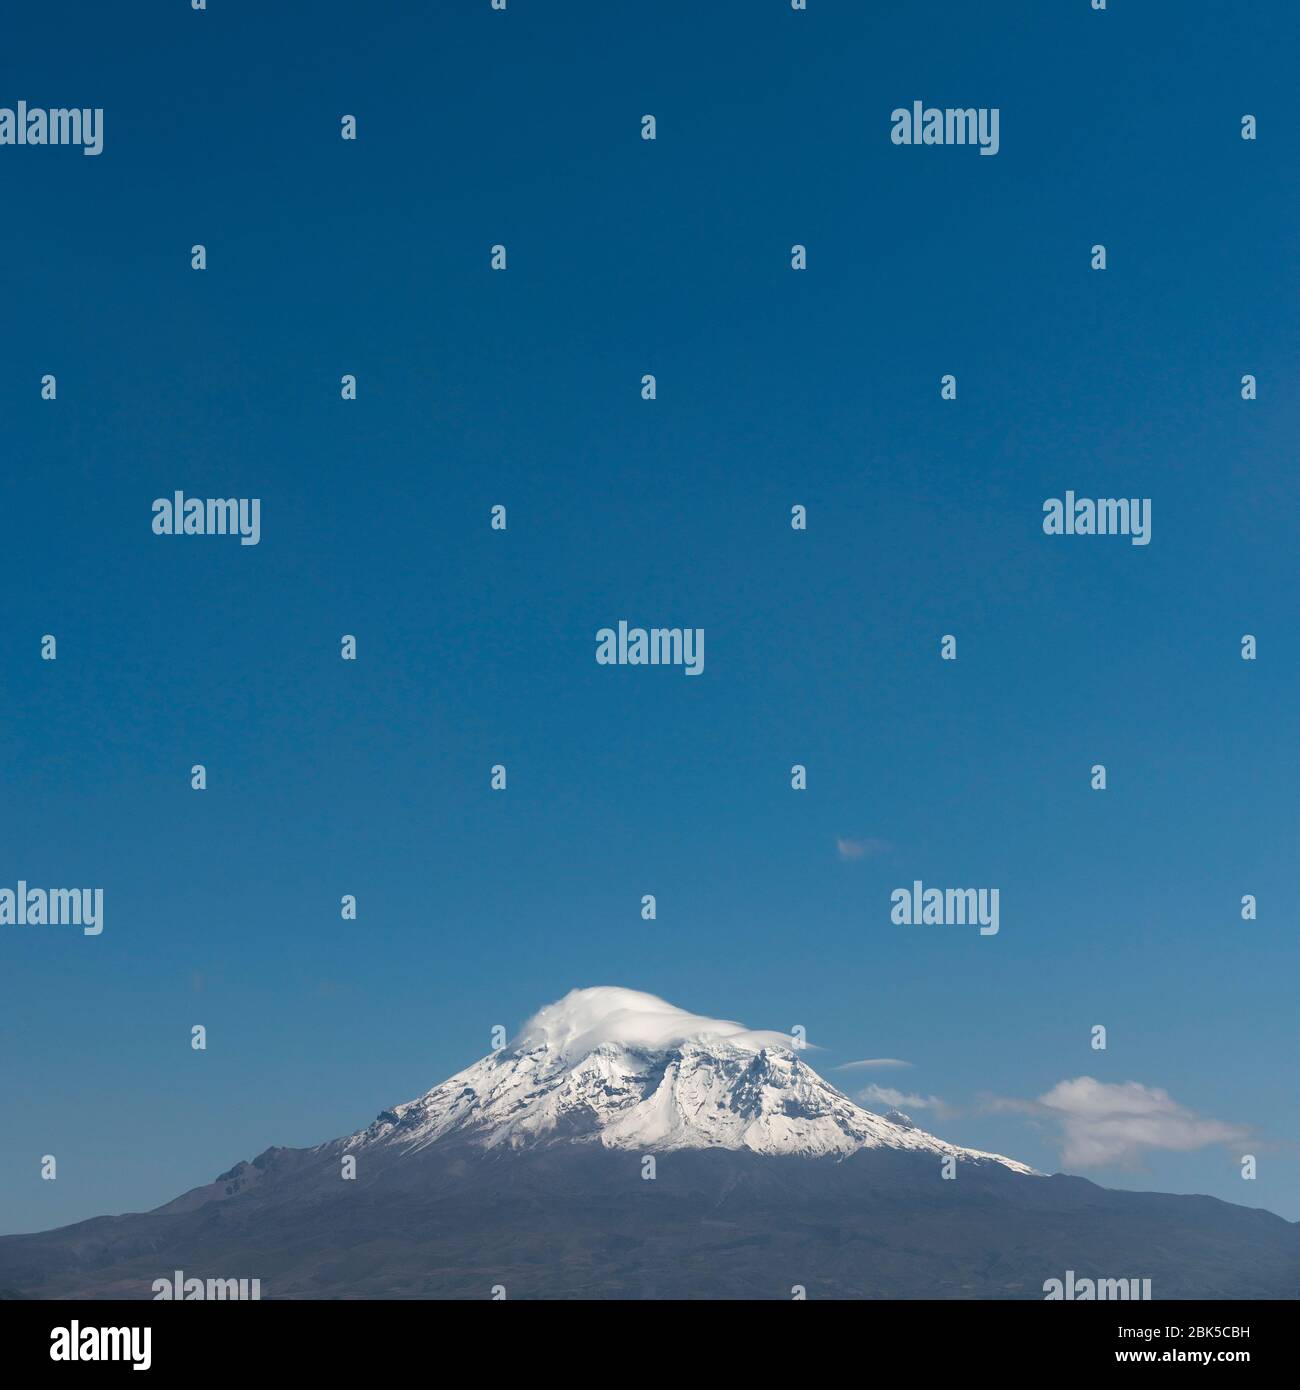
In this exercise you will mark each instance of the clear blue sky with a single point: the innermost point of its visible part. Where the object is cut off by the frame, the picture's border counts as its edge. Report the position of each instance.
(523, 388)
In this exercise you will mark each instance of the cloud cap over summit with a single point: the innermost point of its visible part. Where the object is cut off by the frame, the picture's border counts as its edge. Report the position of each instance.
(586, 1019)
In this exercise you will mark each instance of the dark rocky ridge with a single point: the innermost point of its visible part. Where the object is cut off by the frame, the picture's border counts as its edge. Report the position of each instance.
(574, 1220)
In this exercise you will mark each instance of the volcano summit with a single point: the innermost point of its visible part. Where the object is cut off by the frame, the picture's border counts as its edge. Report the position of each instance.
(626, 1070)
(531, 1171)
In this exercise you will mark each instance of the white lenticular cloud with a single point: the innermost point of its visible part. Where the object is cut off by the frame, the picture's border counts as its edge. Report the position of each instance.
(589, 1018)
(1105, 1124)
(873, 1063)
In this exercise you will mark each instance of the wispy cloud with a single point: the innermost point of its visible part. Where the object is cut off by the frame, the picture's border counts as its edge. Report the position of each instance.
(902, 1100)
(861, 849)
(1102, 1124)
(872, 1063)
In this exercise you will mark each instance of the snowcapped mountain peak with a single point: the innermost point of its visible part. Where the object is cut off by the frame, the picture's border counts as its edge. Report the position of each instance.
(628, 1070)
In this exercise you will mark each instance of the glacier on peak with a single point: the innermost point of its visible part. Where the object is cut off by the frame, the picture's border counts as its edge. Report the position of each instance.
(627, 1070)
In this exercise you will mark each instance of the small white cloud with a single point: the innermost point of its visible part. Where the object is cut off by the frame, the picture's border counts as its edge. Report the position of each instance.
(1103, 1124)
(872, 1064)
(860, 849)
(901, 1100)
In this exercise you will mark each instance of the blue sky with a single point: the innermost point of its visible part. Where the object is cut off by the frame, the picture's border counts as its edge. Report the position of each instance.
(523, 388)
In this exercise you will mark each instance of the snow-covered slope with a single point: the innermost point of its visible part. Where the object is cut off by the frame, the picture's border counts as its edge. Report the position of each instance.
(629, 1071)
